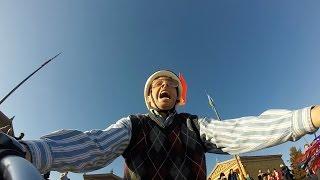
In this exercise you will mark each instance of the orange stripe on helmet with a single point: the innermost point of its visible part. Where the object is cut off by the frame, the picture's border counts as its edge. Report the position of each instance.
(183, 96)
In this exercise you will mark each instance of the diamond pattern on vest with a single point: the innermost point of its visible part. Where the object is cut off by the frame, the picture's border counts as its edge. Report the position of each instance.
(174, 152)
(157, 138)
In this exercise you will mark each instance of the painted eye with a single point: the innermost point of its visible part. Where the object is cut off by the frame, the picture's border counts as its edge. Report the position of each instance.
(172, 84)
(157, 83)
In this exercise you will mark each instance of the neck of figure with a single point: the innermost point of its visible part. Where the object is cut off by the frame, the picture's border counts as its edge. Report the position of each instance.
(163, 113)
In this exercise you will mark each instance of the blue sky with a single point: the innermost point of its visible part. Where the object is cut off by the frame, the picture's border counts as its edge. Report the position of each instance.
(249, 55)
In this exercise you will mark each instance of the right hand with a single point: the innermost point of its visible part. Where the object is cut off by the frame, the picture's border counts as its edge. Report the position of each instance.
(10, 146)
(13, 163)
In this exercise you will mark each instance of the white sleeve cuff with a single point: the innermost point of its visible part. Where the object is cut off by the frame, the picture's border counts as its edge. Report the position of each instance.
(301, 123)
(40, 154)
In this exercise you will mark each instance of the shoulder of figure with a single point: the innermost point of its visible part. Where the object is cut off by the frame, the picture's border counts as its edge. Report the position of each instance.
(188, 116)
(138, 116)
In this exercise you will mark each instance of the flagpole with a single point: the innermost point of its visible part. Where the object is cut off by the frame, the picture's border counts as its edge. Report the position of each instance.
(213, 107)
(217, 114)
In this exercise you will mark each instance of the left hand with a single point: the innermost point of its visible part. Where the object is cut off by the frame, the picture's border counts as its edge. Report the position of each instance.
(315, 116)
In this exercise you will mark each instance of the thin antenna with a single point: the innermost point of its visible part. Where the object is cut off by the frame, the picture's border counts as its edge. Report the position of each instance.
(213, 106)
(15, 88)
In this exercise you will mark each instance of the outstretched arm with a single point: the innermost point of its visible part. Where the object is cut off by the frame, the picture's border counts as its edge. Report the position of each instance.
(76, 151)
(252, 133)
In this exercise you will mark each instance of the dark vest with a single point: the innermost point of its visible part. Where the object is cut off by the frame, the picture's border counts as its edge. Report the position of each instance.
(173, 152)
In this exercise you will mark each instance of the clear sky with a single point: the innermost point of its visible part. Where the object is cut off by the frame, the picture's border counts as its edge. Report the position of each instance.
(249, 55)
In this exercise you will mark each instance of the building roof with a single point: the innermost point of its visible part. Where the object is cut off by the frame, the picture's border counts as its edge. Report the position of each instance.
(245, 159)
(101, 176)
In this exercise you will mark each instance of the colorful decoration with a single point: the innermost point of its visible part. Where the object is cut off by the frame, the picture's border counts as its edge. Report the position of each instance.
(183, 97)
(310, 160)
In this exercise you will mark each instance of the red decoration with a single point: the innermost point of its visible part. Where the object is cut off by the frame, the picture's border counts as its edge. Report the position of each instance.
(183, 97)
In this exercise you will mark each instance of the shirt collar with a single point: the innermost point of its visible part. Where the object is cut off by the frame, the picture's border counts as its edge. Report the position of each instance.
(160, 120)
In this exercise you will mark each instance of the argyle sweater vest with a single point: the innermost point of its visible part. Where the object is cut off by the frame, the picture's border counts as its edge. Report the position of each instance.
(173, 152)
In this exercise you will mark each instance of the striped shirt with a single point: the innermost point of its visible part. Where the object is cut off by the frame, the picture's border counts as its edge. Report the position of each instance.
(76, 151)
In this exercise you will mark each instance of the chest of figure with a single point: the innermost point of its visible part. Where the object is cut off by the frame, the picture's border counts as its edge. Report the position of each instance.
(175, 139)
(154, 150)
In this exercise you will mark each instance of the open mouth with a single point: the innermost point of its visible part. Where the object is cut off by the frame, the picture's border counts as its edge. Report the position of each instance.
(164, 95)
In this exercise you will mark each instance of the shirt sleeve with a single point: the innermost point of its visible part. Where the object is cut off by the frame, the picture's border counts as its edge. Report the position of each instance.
(251, 133)
(76, 151)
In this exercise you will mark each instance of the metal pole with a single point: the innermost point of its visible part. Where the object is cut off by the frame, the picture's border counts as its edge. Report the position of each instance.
(15, 88)
(213, 107)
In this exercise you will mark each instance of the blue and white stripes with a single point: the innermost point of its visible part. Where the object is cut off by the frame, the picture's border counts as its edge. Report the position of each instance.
(41, 154)
(76, 151)
(253, 133)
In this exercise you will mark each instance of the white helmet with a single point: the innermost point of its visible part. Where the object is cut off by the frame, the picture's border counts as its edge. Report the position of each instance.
(164, 73)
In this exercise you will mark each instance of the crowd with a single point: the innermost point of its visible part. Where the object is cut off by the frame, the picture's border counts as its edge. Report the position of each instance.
(283, 173)
(231, 176)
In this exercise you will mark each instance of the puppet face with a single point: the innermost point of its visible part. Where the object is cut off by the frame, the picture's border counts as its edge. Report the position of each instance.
(163, 93)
